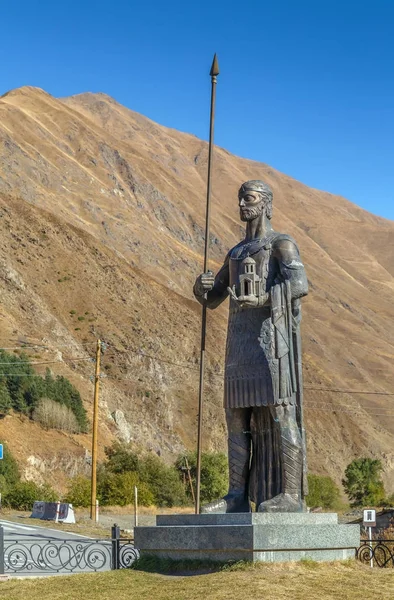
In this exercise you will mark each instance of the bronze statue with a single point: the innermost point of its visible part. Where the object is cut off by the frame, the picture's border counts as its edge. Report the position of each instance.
(265, 279)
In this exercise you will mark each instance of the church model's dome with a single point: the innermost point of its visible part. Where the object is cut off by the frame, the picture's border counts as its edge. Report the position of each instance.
(248, 261)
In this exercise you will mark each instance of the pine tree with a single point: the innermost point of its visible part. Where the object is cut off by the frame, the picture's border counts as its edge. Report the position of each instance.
(5, 400)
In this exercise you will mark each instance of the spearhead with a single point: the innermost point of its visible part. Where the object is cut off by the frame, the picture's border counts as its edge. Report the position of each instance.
(215, 67)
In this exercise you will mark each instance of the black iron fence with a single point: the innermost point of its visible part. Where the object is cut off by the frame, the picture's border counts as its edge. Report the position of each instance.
(377, 553)
(44, 555)
(39, 554)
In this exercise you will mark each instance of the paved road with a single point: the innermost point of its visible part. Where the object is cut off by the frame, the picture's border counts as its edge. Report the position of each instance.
(33, 550)
(15, 530)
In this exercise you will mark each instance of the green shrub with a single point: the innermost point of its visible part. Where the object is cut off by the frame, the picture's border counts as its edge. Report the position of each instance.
(117, 489)
(4, 486)
(121, 459)
(389, 501)
(114, 489)
(163, 481)
(79, 491)
(22, 495)
(323, 492)
(363, 483)
(9, 469)
(214, 474)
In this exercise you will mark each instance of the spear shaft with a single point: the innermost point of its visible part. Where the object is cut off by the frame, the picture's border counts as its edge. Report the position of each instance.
(213, 73)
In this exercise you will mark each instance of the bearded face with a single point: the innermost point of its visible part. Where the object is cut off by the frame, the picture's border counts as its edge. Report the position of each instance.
(249, 213)
(251, 206)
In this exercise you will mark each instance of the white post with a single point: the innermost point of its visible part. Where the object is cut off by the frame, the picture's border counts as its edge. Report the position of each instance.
(57, 511)
(370, 544)
(135, 506)
(97, 510)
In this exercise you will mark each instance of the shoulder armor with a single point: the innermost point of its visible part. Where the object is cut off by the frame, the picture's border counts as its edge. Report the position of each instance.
(284, 237)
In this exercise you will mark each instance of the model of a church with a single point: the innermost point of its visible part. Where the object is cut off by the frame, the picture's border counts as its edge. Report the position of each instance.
(249, 281)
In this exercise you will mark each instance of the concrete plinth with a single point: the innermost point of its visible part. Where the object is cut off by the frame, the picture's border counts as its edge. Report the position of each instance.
(249, 536)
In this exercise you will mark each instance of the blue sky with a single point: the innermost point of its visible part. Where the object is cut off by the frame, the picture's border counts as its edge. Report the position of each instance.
(306, 86)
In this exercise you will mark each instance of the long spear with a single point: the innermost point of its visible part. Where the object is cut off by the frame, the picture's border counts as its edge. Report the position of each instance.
(213, 74)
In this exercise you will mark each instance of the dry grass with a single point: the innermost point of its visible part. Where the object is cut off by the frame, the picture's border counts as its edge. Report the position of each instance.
(53, 415)
(298, 581)
(142, 510)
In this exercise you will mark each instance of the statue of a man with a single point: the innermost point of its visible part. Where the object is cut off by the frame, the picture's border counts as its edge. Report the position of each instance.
(265, 279)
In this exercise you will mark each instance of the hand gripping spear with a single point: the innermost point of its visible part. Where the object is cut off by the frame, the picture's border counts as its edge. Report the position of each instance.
(213, 73)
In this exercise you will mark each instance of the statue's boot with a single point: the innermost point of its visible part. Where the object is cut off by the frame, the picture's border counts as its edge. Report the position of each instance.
(290, 499)
(233, 502)
(237, 499)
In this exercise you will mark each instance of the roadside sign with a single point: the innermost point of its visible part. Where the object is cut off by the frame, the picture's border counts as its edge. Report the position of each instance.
(369, 517)
(1, 451)
(369, 521)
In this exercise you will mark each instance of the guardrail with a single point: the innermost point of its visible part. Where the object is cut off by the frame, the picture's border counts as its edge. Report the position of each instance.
(39, 555)
(377, 553)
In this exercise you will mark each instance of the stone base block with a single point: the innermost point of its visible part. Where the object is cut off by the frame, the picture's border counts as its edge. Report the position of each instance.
(264, 537)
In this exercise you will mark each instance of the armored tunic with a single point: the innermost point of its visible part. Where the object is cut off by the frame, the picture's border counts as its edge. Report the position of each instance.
(258, 351)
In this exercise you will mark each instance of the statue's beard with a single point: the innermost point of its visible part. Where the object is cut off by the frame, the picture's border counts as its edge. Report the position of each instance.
(249, 214)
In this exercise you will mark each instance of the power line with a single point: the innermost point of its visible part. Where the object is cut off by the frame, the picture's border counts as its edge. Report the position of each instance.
(144, 355)
(349, 410)
(309, 406)
(45, 347)
(221, 373)
(141, 353)
(337, 391)
(24, 348)
(20, 336)
(313, 405)
(19, 375)
(350, 402)
(46, 362)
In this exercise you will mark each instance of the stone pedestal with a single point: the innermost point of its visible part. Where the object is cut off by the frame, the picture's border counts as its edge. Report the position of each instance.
(264, 537)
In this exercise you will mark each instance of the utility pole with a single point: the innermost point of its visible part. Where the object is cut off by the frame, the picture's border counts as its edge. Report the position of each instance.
(93, 512)
(213, 74)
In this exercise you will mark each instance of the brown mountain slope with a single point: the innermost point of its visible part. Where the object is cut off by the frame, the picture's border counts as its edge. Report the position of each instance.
(112, 205)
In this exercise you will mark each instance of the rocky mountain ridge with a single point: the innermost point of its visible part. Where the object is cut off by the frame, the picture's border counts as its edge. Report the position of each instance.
(102, 220)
